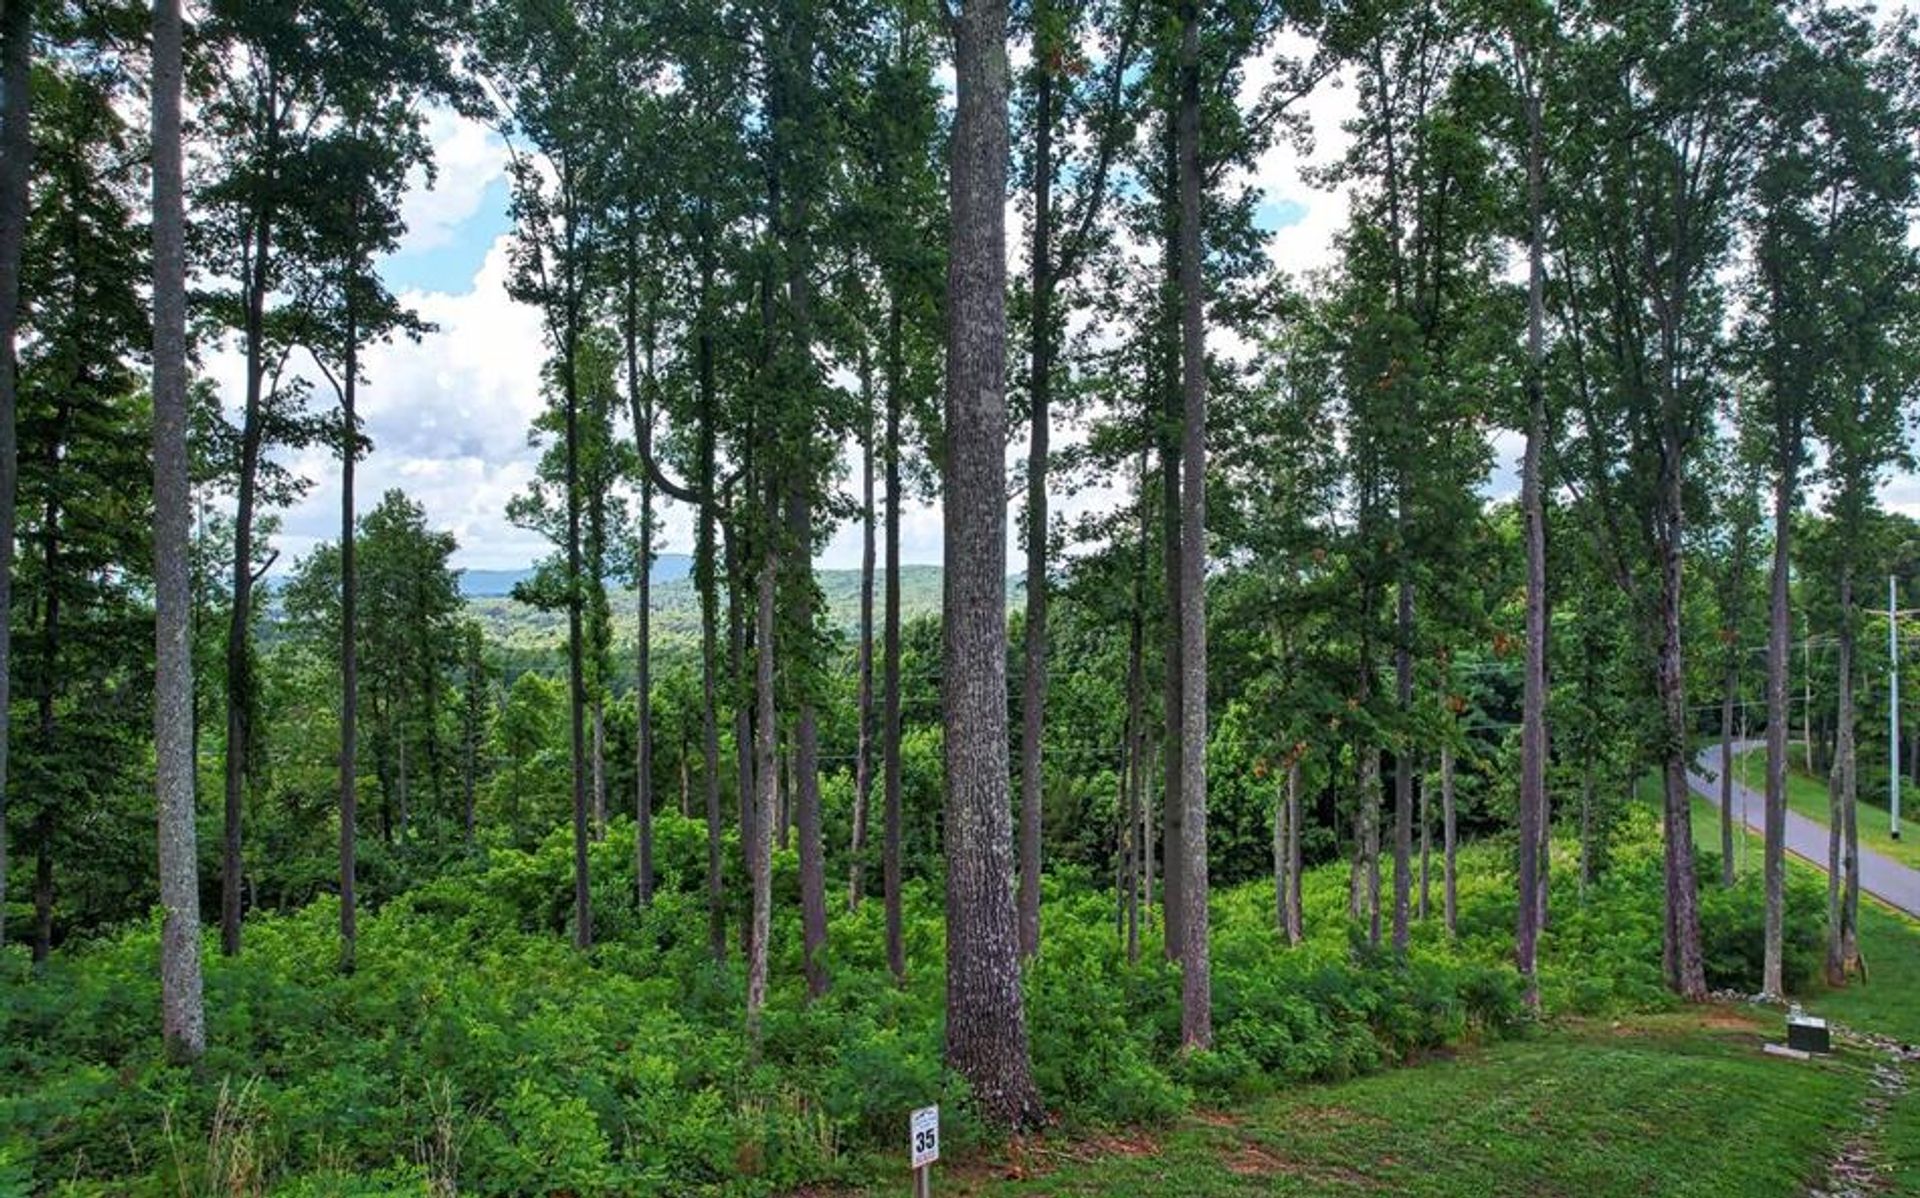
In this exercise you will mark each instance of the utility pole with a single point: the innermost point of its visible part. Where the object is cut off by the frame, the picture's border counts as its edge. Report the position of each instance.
(1893, 707)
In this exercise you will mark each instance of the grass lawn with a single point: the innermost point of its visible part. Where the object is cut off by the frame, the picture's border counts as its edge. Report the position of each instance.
(1676, 1104)
(1681, 1104)
(1807, 795)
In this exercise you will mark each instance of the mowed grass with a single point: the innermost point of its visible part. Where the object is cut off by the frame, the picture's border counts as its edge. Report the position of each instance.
(1671, 1104)
(1680, 1104)
(1807, 795)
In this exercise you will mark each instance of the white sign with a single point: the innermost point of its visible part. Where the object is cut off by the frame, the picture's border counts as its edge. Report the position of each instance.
(924, 1136)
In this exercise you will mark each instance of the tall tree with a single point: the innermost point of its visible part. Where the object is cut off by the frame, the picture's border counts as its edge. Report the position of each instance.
(183, 1022)
(16, 155)
(1196, 969)
(986, 1027)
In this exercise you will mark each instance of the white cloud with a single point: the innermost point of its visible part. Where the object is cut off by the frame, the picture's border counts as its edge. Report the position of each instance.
(468, 157)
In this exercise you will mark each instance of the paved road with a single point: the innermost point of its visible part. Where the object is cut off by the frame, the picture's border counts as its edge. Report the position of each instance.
(1882, 877)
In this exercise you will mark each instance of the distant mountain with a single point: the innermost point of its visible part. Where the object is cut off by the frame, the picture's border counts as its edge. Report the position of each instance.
(499, 584)
(676, 606)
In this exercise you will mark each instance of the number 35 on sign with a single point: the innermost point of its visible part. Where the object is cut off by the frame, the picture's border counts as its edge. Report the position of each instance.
(924, 1136)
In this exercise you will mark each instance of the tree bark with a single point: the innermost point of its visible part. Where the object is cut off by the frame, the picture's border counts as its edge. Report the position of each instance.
(1842, 947)
(182, 1018)
(349, 644)
(1173, 809)
(1196, 991)
(1779, 646)
(16, 160)
(640, 400)
(890, 649)
(1403, 758)
(1449, 894)
(1533, 720)
(805, 786)
(1729, 694)
(576, 649)
(863, 748)
(986, 1034)
(1685, 967)
(1039, 392)
(760, 840)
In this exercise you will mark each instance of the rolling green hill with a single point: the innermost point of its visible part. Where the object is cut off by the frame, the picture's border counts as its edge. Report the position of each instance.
(676, 609)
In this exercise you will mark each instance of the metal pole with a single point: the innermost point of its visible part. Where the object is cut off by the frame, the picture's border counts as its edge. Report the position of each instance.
(1893, 708)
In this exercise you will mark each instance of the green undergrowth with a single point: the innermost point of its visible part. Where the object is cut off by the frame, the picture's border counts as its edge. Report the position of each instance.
(474, 1047)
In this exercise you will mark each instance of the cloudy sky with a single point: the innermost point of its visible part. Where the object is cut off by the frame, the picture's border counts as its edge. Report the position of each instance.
(449, 414)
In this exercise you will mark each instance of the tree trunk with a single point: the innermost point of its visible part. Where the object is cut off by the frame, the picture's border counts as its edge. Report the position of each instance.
(1533, 720)
(1426, 849)
(986, 1027)
(1779, 646)
(349, 645)
(805, 787)
(1685, 967)
(1842, 946)
(599, 767)
(760, 837)
(707, 581)
(576, 648)
(1039, 392)
(1449, 894)
(1403, 759)
(16, 157)
(1173, 809)
(1729, 695)
(1196, 998)
(182, 1021)
(1295, 919)
(641, 401)
(863, 748)
(890, 648)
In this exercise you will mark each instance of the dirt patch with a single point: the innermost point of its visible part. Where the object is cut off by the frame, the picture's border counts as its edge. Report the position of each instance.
(1254, 1161)
(1219, 1118)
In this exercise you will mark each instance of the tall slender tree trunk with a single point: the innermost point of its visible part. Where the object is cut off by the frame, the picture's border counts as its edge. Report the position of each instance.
(1426, 849)
(707, 581)
(640, 400)
(1294, 919)
(1729, 695)
(1842, 947)
(1449, 893)
(986, 1027)
(890, 650)
(863, 747)
(1173, 809)
(576, 671)
(1403, 758)
(1196, 972)
(182, 1019)
(1533, 719)
(805, 787)
(16, 156)
(760, 857)
(349, 645)
(1039, 391)
(1684, 959)
(1779, 646)
(1139, 819)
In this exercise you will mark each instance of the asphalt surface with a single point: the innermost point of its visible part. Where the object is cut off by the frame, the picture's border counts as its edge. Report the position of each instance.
(1885, 879)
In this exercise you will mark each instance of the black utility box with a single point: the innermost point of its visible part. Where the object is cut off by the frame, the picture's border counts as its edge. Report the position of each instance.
(1807, 1033)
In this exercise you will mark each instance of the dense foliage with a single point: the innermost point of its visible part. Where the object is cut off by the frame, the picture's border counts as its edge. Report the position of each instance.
(473, 1046)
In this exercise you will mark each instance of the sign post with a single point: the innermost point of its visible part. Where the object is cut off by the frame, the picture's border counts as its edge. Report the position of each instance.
(923, 1145)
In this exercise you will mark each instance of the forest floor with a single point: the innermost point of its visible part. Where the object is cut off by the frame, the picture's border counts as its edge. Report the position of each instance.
(1680, 1103)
